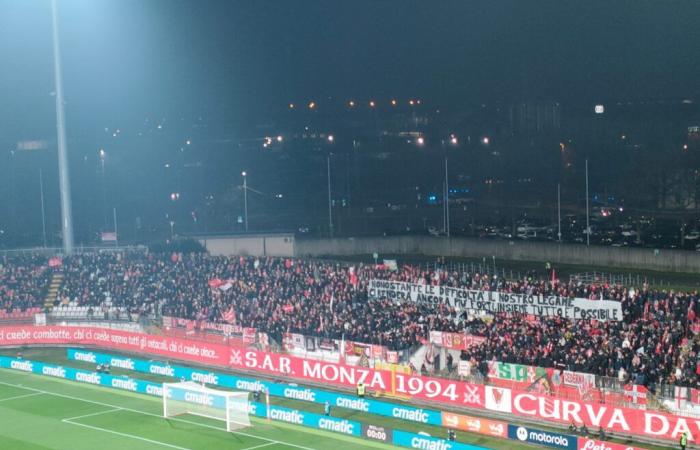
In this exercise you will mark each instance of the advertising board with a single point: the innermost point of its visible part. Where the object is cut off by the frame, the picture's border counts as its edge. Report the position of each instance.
(378, 407)
(479, 425)
(540, 437)
(426, 442)
(620, 420)
(377, 433)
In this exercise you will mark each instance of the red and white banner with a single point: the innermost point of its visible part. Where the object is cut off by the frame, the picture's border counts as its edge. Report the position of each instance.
(619, 420)
(227, 329)
(636, 393)
(455, 341)
(293, 342)
(628, 421)
(593, 444)
(581, 381)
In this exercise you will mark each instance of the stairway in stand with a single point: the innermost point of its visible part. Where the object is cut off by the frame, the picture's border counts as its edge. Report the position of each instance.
(54, 286)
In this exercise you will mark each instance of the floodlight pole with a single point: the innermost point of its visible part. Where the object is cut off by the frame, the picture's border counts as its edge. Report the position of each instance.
(245, 199)
(43, 210)
(447, 202)
(63, 175)
(330, 200)
(588, 225)
(559, 212)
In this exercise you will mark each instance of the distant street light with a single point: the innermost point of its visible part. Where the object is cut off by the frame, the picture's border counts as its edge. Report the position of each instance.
(372, 104)
(420, 141)
(454, 140)
(486, 140)
(331, 138)
(280, 138)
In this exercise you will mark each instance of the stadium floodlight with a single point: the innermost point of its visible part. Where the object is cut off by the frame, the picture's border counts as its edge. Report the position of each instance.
(189, 397)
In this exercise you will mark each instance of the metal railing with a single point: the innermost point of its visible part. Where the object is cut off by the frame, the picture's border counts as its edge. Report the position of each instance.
(624, 279)
(52, 251)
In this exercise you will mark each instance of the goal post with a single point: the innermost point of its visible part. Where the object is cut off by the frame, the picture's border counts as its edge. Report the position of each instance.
(191, 398)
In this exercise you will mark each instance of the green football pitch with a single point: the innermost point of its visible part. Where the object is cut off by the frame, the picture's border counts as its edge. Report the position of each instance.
(44, 413)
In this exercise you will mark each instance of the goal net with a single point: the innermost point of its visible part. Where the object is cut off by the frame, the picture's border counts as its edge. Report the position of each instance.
(191, 398)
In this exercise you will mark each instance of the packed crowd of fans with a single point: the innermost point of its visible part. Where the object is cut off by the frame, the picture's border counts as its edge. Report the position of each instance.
(655, 343)
(23, 282)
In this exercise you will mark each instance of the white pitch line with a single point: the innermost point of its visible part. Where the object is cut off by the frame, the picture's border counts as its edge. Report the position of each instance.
(260, 446)
(21, 396)
(70, 397)
(105, 430)
(68, 419)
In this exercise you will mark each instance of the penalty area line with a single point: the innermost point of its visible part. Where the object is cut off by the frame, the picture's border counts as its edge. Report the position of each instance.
(21, 396)
(68, 419)
(266, 444)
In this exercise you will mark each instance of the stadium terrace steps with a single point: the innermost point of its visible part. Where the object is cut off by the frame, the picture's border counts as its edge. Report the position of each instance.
(54, 286)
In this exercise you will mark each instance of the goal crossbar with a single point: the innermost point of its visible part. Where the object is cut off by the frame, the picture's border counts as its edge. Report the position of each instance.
(189, 397)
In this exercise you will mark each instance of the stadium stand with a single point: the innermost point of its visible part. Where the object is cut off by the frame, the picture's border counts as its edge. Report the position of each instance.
(654, 344)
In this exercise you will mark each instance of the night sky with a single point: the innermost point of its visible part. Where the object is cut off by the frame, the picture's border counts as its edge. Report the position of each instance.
(125, 60)
(224, 72)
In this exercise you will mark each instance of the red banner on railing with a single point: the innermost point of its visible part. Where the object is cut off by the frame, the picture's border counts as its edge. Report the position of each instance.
(381, 381)
(167, 347)
(447, 392)
(654, 424)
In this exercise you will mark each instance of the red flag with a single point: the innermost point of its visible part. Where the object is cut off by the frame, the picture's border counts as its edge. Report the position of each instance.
(353, 276)
(215, 283)
(229, 316)
(55, 262)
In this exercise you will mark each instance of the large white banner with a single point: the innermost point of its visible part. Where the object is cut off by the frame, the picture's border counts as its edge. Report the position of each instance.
(496, 302)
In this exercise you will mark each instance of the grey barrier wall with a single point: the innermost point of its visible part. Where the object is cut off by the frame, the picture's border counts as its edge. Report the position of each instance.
(250, 244)
(614, 257)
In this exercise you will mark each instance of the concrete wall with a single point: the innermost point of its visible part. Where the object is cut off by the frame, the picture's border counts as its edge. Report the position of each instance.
(253, 245)
(613, 257)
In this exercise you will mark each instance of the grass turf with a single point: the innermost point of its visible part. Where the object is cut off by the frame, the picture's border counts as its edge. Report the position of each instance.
(38, 412)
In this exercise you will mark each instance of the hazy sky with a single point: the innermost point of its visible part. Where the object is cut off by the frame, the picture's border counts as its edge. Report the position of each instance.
(125, 60)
